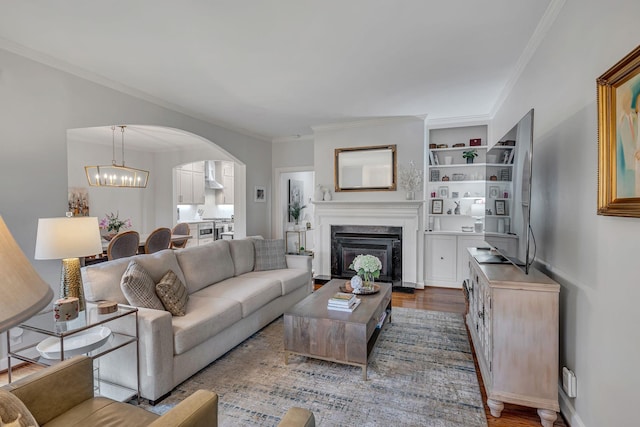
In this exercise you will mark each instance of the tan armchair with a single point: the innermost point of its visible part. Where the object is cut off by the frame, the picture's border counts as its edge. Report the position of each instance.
(62, 395)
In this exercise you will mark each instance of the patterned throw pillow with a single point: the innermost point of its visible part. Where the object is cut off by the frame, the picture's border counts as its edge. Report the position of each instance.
(173, 294)
(13, 412)
(139, 288)
(269, 254)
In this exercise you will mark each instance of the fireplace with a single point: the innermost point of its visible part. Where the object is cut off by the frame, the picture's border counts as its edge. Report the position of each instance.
(383, 242)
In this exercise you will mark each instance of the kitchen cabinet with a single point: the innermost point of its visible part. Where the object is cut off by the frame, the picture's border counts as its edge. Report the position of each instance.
(225, 176)
(190, 184)
(513, 320)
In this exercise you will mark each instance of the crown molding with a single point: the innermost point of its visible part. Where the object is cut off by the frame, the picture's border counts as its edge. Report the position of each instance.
(543, 27)
(293, 138)
(481, 119)
(91, 76)
(365, 122)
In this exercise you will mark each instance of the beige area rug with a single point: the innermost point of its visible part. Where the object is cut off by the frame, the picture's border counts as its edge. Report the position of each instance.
(421, 373)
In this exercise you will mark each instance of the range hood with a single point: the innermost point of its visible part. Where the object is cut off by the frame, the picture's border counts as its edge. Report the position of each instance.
(210, 175)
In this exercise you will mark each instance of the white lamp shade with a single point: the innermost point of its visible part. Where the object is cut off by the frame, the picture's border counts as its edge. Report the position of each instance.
(60, 238)
(477, 209)
(23, 292)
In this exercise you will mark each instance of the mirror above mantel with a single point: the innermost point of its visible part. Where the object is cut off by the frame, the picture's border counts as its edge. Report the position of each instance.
(371, 168)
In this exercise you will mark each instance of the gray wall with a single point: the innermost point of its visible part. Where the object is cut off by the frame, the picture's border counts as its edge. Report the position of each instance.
(595, 258)
(40, 103)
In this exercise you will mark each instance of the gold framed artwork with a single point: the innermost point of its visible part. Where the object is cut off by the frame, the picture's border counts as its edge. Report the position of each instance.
(619, 138)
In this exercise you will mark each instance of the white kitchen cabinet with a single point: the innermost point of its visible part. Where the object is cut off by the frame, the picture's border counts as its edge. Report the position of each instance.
(190, 184)
(513, 320)
(224, 175)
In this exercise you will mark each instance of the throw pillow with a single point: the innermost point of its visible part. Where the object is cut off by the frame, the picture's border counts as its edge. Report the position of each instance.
(13, 412)
(139, 288)
(269, 254)
(173, 294)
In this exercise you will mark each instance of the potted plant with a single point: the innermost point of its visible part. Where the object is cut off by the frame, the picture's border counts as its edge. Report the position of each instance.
(469, 155)
(295, 210)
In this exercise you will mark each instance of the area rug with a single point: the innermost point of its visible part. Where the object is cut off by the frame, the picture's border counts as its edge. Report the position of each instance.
(421, 373)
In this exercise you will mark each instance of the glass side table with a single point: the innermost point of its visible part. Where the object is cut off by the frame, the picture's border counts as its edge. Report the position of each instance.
(88, 335)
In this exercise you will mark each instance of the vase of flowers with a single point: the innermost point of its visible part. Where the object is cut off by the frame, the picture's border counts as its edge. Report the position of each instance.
(113, 224)
(470, 155)
(368, 267)
(410, 179)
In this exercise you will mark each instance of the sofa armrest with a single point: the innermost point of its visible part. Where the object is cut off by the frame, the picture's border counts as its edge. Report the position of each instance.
(298, 417)
(198, 410)
(299, 261)
(56, 389)
(155, 347)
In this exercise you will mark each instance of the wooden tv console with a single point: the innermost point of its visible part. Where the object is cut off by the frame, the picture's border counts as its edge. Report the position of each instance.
(513, 320)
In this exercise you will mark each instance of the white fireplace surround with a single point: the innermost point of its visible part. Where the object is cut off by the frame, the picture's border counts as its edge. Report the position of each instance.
(396, 213)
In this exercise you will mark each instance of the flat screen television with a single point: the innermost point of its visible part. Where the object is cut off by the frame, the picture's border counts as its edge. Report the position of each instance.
(508, 196)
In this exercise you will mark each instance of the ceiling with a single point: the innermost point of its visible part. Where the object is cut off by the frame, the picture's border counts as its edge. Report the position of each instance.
(275, 68)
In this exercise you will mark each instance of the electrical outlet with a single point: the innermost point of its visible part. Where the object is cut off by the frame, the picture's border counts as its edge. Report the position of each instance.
(569, 382)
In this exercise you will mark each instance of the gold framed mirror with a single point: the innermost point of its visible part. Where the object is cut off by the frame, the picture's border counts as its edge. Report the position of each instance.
(372, 168)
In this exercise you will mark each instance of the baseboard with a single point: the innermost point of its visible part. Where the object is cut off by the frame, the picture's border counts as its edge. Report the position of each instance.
(568, 410)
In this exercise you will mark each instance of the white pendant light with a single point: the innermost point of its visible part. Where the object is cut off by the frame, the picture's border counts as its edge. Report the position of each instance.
(115, 175)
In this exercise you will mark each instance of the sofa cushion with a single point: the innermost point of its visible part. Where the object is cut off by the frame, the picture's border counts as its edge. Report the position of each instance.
(102, 281)
(172, 293)
(269, 254)
(205, 318)
(243, 254)
(139, 288)
(13, 412)
(290, 278)
(205, 265)
(251, 292)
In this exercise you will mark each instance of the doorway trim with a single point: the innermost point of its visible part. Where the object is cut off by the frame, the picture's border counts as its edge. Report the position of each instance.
(277, 219)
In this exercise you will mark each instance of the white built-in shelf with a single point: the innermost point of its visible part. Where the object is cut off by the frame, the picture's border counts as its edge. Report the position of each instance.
(467, 148)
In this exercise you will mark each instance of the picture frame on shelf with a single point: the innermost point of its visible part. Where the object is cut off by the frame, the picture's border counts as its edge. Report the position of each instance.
(618, 166)
(494, 191)
(435, 175)
(443, 192)
(501, 207)
(437, 206)
(259, 194)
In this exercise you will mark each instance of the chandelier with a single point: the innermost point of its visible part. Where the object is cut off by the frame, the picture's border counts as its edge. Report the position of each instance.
(115, 175)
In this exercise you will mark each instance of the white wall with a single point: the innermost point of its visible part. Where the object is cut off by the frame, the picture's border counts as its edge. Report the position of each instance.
(595, 258)
(39, 104)
(406, 132)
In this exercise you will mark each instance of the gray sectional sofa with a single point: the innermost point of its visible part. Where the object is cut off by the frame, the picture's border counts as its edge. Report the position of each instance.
(228, 302)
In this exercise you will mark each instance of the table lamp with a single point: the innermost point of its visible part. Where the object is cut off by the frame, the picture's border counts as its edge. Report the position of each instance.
(23, 291)
(68, 239)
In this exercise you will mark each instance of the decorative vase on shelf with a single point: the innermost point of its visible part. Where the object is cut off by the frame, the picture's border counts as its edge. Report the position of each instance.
(327, 196)
(318, 195)
(469, 159)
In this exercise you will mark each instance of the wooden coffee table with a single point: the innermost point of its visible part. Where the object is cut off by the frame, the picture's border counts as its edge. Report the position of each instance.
(312, 330)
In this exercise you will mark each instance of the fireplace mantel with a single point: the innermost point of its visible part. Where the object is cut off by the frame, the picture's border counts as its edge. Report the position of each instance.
(402, 213)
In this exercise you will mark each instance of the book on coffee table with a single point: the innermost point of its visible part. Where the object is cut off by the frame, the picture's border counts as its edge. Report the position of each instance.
(342, 299)
(349, 308)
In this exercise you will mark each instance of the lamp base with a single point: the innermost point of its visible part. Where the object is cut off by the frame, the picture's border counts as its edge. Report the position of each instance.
(71, 281)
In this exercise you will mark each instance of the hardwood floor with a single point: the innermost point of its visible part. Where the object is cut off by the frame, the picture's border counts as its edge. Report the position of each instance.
(452, 300)
(437, 299)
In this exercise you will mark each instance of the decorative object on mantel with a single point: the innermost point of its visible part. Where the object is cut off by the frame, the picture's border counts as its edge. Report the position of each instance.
(116, 175)
(67, 239)
(318, 195)
(113, 224)
(410, 179)
(368, 268)
(326, 195)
